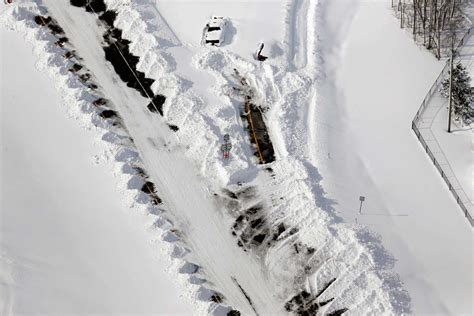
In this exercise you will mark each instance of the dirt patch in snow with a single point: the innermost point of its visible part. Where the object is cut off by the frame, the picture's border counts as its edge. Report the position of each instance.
(50, 23)
(117, 52)
(156, 104)
(100, 102)
(253, 118)
(258, 132)
(90, 5)
(75, 68)
(174, 128)
(108, 17)
(108, 114)
(252, 227)
(305, 303)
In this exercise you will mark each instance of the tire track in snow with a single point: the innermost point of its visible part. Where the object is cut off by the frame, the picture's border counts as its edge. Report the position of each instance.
(300, 33)
(298, 10)
(297, 86)
(326, 57)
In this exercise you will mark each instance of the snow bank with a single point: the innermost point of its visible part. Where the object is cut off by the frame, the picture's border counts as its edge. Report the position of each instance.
(343, 252)
(343, 266)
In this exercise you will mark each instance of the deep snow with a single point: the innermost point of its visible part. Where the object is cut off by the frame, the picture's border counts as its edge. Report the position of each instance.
(376, 78)
(72, 240)
(335, 140)
(249, 23)
(179, 186)
(269, 277)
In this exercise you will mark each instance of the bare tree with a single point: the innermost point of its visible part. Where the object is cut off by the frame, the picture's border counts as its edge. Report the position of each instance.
(431, 18)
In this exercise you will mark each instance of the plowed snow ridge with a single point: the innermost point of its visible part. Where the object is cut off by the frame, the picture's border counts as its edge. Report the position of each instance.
(171, 160)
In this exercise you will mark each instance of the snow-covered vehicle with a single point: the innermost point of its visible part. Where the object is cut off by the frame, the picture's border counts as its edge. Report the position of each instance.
(214, 32)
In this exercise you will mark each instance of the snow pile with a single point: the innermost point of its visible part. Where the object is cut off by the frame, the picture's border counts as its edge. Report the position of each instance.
(287, 250)
(347, 259)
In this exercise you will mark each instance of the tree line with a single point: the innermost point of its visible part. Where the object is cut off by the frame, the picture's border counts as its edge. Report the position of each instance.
(438, 24)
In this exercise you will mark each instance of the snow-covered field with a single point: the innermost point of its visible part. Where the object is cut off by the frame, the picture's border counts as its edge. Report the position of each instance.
(373, 153)
(337, 94)
(72, 241)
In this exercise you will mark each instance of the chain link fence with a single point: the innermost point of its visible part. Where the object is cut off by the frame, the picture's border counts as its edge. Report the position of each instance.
(429, 142)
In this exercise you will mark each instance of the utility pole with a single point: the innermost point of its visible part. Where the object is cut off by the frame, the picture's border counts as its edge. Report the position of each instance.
(414, 19)
(450, 110)
(401, 9)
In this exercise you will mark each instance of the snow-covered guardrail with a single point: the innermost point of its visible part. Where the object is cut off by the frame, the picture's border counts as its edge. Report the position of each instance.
(444, 169)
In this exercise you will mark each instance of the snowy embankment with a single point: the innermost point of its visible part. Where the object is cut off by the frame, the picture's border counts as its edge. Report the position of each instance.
(70, 243)
(287, 243)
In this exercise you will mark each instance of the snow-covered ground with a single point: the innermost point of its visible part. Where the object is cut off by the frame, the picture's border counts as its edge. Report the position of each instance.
(365, 147)
(249, 23)
(453, 150)
(458, 152)
(339, 90)
(72, 241)
(332, 262)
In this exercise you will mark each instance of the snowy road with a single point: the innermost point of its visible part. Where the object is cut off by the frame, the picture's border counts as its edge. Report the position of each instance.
(184, 194)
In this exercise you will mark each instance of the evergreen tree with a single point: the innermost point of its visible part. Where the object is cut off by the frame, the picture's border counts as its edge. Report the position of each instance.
(463, 100)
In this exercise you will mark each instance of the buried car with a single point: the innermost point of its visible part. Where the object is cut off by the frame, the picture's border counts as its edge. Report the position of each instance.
(214, 31)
